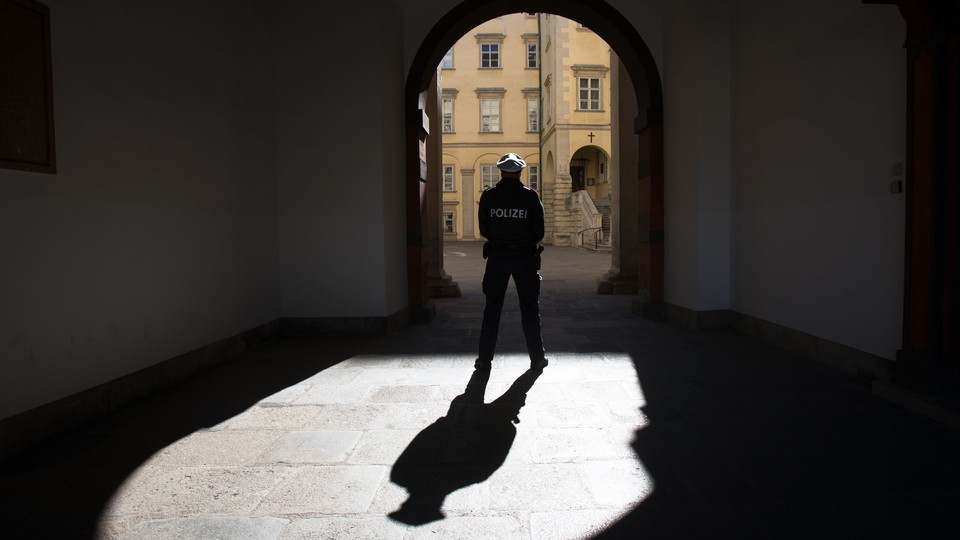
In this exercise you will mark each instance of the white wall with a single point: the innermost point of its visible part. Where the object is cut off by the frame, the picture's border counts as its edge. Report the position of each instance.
(340, 168)
(158, 233)
(819, 95)
(697, 123)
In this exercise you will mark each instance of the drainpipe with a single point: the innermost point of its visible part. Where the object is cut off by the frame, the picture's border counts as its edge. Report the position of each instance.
(540, 101)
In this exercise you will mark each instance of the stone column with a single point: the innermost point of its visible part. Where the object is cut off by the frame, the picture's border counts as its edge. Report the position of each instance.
(469, 207)
(930, 357)
(439, 284)
(624, 187)
(418, 133)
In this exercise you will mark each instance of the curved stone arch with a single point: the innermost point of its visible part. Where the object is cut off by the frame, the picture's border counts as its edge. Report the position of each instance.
(548, 162)
(637, 60)
(591, 147)
(479, 160)
(446, 158)
(599, 16)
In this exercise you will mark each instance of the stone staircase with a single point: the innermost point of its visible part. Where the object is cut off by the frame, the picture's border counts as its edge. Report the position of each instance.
(603, 206)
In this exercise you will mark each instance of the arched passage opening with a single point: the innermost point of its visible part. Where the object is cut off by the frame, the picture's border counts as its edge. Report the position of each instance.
(589, 166)
(636, 61)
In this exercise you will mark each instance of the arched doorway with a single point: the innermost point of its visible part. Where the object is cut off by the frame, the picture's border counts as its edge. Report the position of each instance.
(636, 60)
(589, 166)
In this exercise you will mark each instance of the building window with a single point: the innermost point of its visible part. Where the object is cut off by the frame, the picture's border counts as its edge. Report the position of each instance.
(532, 56)
(447, 117)
(489, 176)
(588, 93)
(533, 114)
(489, 115)
(489, 55)
(534, 176)
(448, 178)
(449, 225)
(447, 62)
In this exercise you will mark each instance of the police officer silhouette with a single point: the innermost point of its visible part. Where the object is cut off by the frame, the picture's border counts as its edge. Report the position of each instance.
(511, 219)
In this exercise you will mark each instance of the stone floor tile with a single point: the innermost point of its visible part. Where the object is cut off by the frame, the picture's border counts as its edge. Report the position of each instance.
(539, 487)
(164, 492)
(620, 483)
(208, 527)
(213, 448)
(272, 417)
(334, 375)
(470, 499)
(571, 524)
(568, 413)
(367, 361)
(409, 393)
(504, 527)
(570, 445)
(286, 395)
(380, 447)
(589, 391)
(316, 490)
(366, 416)
(354, 528)
(322, 394)
(312, 447)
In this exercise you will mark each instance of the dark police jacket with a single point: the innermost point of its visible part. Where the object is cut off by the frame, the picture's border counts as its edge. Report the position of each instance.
(511, 217)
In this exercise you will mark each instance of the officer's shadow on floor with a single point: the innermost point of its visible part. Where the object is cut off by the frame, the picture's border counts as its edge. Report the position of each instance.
(462, 448)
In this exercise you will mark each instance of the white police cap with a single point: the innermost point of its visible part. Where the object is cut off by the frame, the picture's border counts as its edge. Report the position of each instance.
(511, 163)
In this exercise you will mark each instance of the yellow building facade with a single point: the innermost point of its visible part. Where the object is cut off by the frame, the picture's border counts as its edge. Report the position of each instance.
(536, 85)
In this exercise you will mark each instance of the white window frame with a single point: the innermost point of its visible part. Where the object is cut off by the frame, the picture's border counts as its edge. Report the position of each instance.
(490, 56)
(533, 114)
(589, 96)
(491, 120)
(533, 176)
(532, 49)
(451, 219)
(589, 84)
(449, 178)
(446, 116)
(489, 175)
(447, 61)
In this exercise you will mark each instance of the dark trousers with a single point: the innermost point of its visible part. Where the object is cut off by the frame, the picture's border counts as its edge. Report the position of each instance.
(495, 281)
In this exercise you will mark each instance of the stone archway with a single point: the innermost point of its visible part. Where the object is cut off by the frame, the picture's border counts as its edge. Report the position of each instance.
(635, 59)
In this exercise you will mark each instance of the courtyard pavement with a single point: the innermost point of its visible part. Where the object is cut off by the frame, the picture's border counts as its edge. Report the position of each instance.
(636, 429)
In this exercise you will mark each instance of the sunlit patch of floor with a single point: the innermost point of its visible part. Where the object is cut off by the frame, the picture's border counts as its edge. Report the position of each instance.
(321, 458)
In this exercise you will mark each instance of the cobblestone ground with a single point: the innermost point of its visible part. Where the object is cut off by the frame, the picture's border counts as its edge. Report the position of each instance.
(636, 429)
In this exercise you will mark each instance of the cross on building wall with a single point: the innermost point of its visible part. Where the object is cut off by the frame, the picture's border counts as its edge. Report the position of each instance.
(591, 135)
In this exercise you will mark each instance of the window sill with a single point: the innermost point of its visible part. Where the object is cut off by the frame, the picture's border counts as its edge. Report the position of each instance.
(590, 110)
(490, 132)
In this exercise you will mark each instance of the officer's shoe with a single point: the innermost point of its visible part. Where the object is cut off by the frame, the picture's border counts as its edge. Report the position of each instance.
(539, 363)
(481, 364)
